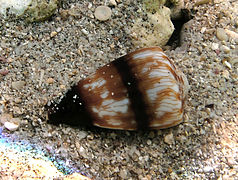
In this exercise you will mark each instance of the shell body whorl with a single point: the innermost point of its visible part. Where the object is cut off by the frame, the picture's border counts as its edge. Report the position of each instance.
(141, 90)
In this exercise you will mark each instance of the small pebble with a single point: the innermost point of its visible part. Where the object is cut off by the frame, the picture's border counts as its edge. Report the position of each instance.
(18, 84)
(63, 60)
(232, 34)
(62, 86)
(17, 110)
(215, 46)
(208, 169)
(226, 74)
(18, 100)
(123, 174)
(225, 49)
(103, 13)
(169, 139)
(58, 29)
(170, 170)
(85, 31)
(201, 2)
(231, 161)
(80, 51)
(203, 29)
(50, 80)
(77, 144)
(221, 34)
(90, 5)
(113, 2)
(227, 64)
(81, 135)
(90, 137)
(54, 33)
(149, 142)
(234, 61)
(83, 152)
(4, 72)
(11, 126)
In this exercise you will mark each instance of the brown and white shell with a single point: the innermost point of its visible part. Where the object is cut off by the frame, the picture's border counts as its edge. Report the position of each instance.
(141, 90)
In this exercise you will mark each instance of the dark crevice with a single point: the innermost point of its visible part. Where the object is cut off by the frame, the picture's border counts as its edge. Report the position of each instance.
(178, 23)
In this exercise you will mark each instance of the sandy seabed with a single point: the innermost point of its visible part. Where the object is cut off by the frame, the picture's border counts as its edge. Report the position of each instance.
(40, 61)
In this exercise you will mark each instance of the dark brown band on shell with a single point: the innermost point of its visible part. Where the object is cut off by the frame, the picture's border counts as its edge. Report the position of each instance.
(135, 97)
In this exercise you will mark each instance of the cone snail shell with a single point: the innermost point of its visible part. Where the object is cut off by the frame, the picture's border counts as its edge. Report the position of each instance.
(141, 90)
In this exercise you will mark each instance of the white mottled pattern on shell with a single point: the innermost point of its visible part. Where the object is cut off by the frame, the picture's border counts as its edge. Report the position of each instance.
(164, 96)
(98, 83)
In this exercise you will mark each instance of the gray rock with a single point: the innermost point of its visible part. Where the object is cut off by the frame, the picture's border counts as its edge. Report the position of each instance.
(155, 31)
(30, 10)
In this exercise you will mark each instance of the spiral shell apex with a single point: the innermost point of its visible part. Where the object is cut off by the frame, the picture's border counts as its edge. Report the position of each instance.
(141, 90)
